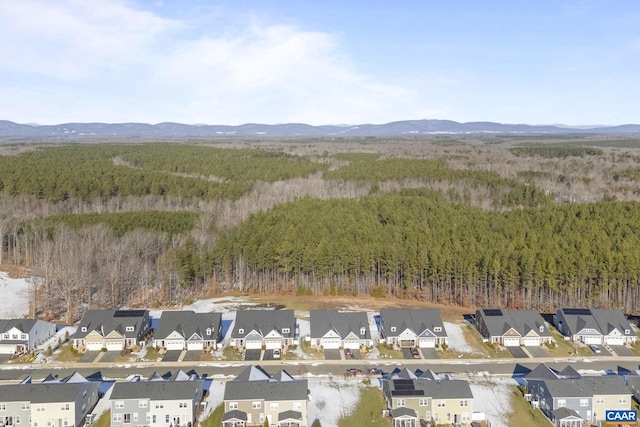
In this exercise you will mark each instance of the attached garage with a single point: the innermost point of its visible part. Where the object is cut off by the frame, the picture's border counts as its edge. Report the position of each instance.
(7, 349)
(253, 345)
(195, 345)
(511, 341)
(174, 344)
(330, 344)
(115, 345)
(353, 345)
(94, 346)
(270, 345)
(591, 339)
(615, 340)
(532, 341)
(427, 343)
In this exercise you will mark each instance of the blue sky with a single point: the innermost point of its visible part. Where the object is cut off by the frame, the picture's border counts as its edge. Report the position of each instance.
(574, 62)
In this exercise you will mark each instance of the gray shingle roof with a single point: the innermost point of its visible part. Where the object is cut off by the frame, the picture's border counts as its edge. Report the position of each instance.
(188, 323)
(522, 321)
(264, 321)
(235, 415)
(602, 320)
(562, 413)
(403, 412)
(106, 321)
(255, 383)
(156, 390)
(45, 392)
(344, 323)
(23, 325)
(417, 320)
(436, 389)
(587, 387)
(290, 415)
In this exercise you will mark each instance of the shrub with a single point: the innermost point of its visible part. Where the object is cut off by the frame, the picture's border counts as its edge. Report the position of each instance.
(445, 346)
(490, 345)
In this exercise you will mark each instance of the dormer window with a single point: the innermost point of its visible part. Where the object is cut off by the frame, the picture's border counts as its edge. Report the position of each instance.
(241, 331)
(129, 329)
(393, 329)
(286, 330)
(208, 331)
(437, 329)
(83, 329)
(541, 328)
(362, 331)
(627, 331)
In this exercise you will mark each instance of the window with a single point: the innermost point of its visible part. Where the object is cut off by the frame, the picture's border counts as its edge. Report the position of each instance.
(428, 415)
(441, 403)
(148, 417)
(448, 417)
(424, 402)
(599, 400)
(286, 330)
(159, 405)
(241, 331)
(261, 417)
(65, 407)
(119, 404)
(562, 403)
(23, 336)
(437, 329)
(400, 403)
(40, 408)
(584, 402)
(393, 329)
(26, 406)
(167, 419)
(622, 399)
(362, 331)
(208, 331)
(541, 328)
(129, 329)
(127, 418)
(297, 406)
(233, 405)
(627, 331)
(143, 403)
(17, 419)
(117, 418)
(154, 419)
(8, 421)
(83, 329)
(3, 407)
(464, 403)
(256, 405)
(182, 404)
(274, 406)
(135, 416)
(6, 336)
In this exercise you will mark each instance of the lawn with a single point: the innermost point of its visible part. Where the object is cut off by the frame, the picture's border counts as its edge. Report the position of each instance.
(231, 353)
(474, 339)
(65, 354)
(103, 421)
(215, 419)
(523, 414)
(368, 413)
(387, 353)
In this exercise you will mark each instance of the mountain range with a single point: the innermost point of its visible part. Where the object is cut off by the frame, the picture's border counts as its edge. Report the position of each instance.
(398, 128)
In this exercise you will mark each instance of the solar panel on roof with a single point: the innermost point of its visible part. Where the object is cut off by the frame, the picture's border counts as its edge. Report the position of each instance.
(407, 392)
(489, 312)
(129, 313)
(577, 311)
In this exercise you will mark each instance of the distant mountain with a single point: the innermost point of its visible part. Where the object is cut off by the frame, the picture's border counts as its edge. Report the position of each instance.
(399, 128)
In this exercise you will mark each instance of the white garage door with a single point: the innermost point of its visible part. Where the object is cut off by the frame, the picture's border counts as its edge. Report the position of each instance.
(114, 346)
(330, 344)
(270, 345)
(427, 343)
(511, 342)
(253, 345)
(532, 341)
(592, 340)
(174, 344)
(615, 341)
(94, 346)
(199, 345)
(353, 345)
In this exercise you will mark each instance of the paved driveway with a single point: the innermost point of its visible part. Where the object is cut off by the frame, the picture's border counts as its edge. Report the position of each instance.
(332, 354)
(517, 352)
(430, 353)
(537, 351)
(171, 356)
(621, 350)
(268, 355)
(109, 356)
(406, 353)
(252, 354)
(192, 356)
(88, 357)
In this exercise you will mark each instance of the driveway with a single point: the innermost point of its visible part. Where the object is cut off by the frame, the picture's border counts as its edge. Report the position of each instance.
(355, 354)
(430, 353)
(332, 354)
(88, 357)
(192, 356)
(171, 356)
(406, 353)
(621, 350)
(536, 351)
(109, 356)
(268, 355)
(252, 354)
(517, 352)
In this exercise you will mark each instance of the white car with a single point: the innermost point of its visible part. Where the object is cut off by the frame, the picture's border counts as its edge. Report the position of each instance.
(276, 353)
(595, 348)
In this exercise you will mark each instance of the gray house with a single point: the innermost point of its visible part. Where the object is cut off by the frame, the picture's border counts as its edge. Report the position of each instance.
(512, 327)
(53, 402)
(19, 336)
(595, 326)
(272, 329)
(255, 396)
(587, 397)
(331, 329)
(412, 327)
(113, 330)
(157, 401)
(187, 330)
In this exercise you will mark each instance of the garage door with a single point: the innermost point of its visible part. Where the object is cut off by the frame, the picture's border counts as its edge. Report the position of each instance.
(511, 342)
(199, 345)
(114, 346)
(253, 345)
(532, 341)
(353, 345)
(615, 341)
(592, 340)
(174, 344)
(330, 344)
(94, 346)
(427, 343)
(273, 344)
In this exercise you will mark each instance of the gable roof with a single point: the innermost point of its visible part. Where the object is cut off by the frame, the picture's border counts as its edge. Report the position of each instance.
(499, 320)
(255, 383)
(416, 320)
(603, 321)
(342, 322)
(188, 323)
(424, 387)
(587, 387)
(107, 321)
(564, 413)
(158, 389)
(23, 325)
(263, 322)
(46, 392)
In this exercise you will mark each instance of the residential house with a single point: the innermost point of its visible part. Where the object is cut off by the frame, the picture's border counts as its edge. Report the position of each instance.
(187, 330)
(19, 336)
(633, 382)
(331, 329)
(412, 327)
(255, 396)
(512, 327)
(51, 403)
(255, 329)
(595, 326)
(427, 398)
(587, 397)
(113, 330)
(157, 402)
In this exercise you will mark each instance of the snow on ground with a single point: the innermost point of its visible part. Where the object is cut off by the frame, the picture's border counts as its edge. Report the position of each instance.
(331, 400)
(455, 338)
(15, 302)
(493, 397)
(214, 398)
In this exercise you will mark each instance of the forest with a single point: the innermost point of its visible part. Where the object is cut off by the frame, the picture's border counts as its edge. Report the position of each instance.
(521, 222)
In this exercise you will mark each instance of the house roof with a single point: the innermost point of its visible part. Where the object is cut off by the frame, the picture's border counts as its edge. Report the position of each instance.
(500, 320)
(107, 321)
(342, 322)
(542, 372)
(403, 411)
(188, 323)
(157, 389)
(235, 415)
(424, 387)
(23, 325)
(255, 383)
(289, 415)
(416, 320)
(263, 322)
(587, 387)
(564, 413)
(603, 321)
(48, 392)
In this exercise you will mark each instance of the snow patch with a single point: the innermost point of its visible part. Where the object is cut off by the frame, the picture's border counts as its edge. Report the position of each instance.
(15, 301)
(331, 400)
(493, 397)
(455, 338)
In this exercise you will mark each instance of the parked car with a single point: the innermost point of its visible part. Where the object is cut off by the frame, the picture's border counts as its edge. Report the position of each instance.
(352, 372)
(415, 353)
(374, 371)
(276, 353)
(595, 348)
(347, 353)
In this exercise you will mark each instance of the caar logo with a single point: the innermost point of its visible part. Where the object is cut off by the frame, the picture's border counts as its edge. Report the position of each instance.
(621, 416)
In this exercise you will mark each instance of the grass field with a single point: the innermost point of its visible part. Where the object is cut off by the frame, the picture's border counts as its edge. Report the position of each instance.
(368, 413)
(524, 414)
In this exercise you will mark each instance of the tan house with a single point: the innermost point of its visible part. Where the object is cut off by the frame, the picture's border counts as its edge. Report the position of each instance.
(255, 396)
(113, 330)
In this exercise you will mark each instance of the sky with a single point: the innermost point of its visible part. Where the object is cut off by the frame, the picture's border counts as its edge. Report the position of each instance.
(571, 62)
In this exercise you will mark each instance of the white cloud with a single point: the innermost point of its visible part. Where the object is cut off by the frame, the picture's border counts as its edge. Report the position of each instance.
(108, 61)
